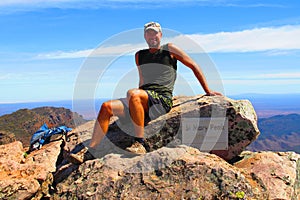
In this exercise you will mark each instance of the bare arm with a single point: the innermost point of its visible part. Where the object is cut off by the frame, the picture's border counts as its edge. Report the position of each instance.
(190, 63)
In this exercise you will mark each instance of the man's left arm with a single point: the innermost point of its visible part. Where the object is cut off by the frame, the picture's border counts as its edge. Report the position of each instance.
(183, 57)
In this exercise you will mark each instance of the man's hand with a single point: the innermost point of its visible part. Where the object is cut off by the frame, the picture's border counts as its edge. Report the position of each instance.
(213, 93)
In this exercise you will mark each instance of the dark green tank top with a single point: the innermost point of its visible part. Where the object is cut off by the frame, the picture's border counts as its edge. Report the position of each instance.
(158, 70)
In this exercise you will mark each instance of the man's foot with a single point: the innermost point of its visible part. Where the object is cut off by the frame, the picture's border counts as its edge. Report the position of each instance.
(80, 157)
(137, 148)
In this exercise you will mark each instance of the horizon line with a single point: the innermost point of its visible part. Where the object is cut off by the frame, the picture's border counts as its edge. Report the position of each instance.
(99, 98)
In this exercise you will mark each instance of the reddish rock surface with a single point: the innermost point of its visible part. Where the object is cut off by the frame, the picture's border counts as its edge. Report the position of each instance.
(23, 178)
(280, 172)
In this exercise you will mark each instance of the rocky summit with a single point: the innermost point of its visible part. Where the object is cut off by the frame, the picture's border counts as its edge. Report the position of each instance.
(218, 124)
(179, 166)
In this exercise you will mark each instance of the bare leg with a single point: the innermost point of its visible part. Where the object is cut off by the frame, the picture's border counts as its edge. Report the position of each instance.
(108, 109)
(138, 104)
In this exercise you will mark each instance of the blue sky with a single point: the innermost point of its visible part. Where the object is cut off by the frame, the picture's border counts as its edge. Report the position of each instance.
(242, 46)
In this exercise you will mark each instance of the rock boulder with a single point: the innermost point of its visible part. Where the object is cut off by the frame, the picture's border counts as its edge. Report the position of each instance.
(168, 173)
(23, 177)
(232, 125)
(217, 124)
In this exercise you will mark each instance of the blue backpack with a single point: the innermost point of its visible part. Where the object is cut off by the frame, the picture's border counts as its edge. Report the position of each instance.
(43, 136)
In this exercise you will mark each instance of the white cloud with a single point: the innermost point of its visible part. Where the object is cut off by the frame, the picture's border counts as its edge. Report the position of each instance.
(264, 83)
(5, 76)
(98, 52)
(273, 39)
(269, 86)
(295, 75)
(21, 5)
(258, 39)
(63, 55)
(264, 76)
(77, 3)
(34, 4)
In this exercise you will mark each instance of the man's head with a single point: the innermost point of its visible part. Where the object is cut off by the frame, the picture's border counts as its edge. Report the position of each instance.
(152, 34)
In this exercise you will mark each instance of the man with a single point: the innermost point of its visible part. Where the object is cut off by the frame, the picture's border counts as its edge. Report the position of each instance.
(157, 68)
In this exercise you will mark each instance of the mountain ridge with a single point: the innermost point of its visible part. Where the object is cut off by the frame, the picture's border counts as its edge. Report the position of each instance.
(21, 124)
(278, 133)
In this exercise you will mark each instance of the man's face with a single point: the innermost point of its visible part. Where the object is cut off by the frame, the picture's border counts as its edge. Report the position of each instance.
(153, 38)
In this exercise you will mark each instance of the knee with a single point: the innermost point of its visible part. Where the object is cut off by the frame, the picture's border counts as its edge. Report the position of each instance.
(132, 92)
(106, 108)
(133, 95)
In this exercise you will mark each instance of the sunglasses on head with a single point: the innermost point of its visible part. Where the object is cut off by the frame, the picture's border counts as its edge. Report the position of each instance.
(153, 24)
